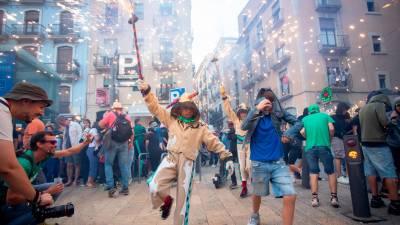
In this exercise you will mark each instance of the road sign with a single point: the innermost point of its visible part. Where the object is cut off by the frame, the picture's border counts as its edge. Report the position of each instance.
(175, 93)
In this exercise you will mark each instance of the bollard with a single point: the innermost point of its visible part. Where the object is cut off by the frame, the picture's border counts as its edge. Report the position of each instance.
(358, 186)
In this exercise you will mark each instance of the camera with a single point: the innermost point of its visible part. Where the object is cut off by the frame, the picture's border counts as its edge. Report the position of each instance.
(41, 213)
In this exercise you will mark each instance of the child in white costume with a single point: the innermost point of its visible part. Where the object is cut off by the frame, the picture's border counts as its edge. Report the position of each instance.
(186, 134)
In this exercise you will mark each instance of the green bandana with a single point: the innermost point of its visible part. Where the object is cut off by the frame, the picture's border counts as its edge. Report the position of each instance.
(185, 120)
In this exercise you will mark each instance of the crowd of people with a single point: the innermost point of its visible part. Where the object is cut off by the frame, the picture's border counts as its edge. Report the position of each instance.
(268, 143)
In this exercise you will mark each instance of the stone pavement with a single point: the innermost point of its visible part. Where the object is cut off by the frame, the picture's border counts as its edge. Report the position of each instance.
(208, 206)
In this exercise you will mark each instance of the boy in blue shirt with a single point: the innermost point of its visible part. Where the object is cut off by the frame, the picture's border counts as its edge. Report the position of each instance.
(266, 152)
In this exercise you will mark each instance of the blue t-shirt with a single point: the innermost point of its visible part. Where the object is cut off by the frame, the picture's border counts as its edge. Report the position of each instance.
(265, 144)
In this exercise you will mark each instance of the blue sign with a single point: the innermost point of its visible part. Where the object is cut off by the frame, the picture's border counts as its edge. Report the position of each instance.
(7, 71)
(175, 93)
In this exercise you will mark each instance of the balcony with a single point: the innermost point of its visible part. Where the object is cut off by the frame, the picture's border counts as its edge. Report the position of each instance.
(276, 20)
(339, 79)
(278, 63)
(28, 32)
(67, 71)
(32, 1)
(5, 31)
(4, 1)
(333, 44)
(102, 62)
(327, 6)
(248, 83)
(160, 65)
(63, 32)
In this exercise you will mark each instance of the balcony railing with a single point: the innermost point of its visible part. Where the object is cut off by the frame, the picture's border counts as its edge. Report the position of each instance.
(102, 62)
(4, 1)
(278, 63)
(67, 71)
(67, 32)
(163, 95)
(331, 6)
(333, 44)
(160, 65)
(33, 30)
(339, 80)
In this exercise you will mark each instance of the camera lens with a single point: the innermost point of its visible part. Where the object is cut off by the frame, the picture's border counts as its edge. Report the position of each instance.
(57, 211)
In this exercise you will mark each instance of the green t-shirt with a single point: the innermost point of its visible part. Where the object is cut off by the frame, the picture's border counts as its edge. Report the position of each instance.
(317, 130)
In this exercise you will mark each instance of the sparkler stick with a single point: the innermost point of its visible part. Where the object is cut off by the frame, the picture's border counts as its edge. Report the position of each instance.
(132, 21)
(194, 94)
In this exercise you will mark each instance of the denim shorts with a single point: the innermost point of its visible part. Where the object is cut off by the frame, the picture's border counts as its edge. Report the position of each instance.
(315, 154)
(379, 161)
(275, 172)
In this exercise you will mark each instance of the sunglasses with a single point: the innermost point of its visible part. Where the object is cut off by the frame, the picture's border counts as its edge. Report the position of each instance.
(53, 142)
(397, 105)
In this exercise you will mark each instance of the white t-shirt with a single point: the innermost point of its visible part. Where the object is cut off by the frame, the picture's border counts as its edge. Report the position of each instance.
(93, 132)
(6, 127)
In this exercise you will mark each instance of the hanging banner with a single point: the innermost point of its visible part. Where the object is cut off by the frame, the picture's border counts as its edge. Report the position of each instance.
(102, 97)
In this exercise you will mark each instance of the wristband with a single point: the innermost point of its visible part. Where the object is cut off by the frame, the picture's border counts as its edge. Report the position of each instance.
(224, 97)
(36, 198)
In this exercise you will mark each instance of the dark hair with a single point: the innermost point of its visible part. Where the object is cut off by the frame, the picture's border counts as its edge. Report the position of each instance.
(372, 94)
(87, 120)
(39, 137)
(305, 111)
(342, 107)
(137, 120)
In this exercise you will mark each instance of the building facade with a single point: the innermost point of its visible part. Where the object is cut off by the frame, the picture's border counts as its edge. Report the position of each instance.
(214, 71)
(52, 31)
(164, 39)
(300, 47)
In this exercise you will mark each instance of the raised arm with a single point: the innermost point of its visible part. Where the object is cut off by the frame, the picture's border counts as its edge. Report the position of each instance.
(152, 104)
(74, 149)
(214, 145)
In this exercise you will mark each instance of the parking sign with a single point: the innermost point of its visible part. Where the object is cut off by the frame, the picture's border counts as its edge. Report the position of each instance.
(176, 93)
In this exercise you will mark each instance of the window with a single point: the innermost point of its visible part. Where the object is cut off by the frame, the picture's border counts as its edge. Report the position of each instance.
(66, 23)
(65, 99)
(260, 32)
(166, 84)
(111, 14)
(31, 22)
(376, 43)
(33, 50)
(166, 53)
(280, 52)
(244, 20)
(166, 9)
(276, 13)
(382, 81)
(64, 60)
(328, 32)
(110, 47)
(139, 10)
(370, 5)
(284, 81)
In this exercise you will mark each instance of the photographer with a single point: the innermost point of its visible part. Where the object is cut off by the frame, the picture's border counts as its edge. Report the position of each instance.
(42, 147)
(24, 102)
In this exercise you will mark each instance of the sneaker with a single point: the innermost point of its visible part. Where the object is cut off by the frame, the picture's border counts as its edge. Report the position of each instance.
(394, 208)
(334, 201)
(254, 219)
(233, 186)
(166, 207)
(243, 193)
(343, 180)
(315, 201)
(124, 191)
(112, 193)
(377, 202)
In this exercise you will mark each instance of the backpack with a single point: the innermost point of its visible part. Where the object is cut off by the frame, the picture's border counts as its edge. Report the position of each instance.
(121, 130)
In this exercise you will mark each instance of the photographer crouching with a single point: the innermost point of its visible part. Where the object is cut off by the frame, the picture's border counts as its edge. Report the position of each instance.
(42, 147)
